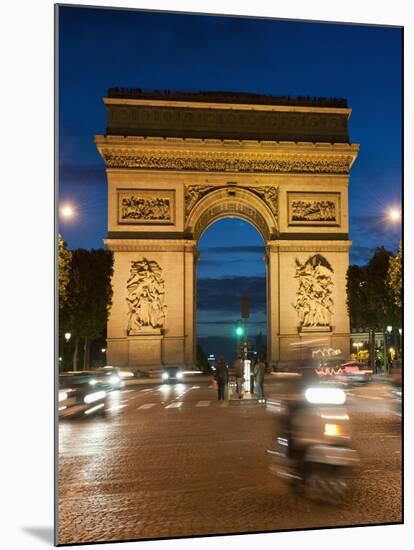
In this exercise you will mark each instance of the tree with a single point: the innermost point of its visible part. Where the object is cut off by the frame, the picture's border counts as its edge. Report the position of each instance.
(370, 300)
(64, 271)
(90, 298)
(394, 277)
(201, 359)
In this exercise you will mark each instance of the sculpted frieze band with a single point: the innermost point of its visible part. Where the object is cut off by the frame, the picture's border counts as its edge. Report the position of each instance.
(228, 162)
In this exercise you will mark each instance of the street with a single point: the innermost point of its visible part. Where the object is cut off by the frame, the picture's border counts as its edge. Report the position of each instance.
(172, 461)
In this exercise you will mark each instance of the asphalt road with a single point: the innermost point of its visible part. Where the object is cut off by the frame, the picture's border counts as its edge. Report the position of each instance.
(172, 461)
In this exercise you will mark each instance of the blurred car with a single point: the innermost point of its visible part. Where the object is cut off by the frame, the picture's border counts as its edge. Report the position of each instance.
(351, 372)
(112, 377)
(356, 372)
(172, 374)
(80, 395)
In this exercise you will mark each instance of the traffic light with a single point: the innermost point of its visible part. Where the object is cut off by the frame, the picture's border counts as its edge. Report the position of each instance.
(239, 329)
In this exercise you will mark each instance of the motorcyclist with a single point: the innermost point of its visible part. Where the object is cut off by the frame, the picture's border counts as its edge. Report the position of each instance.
(296, 401)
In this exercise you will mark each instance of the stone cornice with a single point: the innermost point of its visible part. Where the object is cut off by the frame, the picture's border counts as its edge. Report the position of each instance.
(150, 245)
(225, 155)
(313, 246)
(227, 106)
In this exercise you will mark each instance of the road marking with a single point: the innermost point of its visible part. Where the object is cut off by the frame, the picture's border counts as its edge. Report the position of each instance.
(148, 389)
(146, 405)
(174, 405)
(116, 407)
(203, 403)
(195, 387)
(371, 397)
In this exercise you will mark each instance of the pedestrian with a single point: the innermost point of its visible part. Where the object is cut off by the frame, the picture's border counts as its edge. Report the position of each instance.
(238, 369)
(221, 377)
(259, 372)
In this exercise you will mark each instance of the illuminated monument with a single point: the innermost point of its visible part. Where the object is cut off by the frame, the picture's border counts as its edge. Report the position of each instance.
(176, 163)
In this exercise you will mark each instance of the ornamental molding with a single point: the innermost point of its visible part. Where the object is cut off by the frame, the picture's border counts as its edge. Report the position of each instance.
(150, 246)
(227, 161)
(268, 193)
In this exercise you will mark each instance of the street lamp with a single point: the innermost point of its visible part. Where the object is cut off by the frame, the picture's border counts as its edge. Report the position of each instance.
(389, 329)
(67, 336)
(358, 346)
(67, 211)
(394, 214)
(103, 350)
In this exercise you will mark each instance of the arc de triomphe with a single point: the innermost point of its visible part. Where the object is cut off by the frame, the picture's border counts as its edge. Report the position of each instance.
(176, 163)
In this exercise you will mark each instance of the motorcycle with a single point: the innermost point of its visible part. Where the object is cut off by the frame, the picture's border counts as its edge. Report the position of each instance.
(315, 451)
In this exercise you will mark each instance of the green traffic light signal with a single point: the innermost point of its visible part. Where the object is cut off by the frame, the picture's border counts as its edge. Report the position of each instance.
(239, 331)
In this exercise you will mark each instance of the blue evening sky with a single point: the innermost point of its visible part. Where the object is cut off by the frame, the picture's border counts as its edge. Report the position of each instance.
(102, 48)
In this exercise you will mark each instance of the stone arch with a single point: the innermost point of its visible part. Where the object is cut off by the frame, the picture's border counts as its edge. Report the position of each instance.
(231, 202)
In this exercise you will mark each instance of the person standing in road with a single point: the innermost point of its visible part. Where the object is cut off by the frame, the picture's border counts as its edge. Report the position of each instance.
(259, 372)
(238, 369)
(221, 376)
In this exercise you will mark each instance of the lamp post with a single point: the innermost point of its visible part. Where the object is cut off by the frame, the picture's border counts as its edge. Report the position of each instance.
(400, 343)
(386, 363)
(358, 346)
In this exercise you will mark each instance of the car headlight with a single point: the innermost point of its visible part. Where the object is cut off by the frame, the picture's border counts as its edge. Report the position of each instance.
(180, 375)
(93, 382)
(164, 375)
(95, 396)
(62, 396)
(114, 379)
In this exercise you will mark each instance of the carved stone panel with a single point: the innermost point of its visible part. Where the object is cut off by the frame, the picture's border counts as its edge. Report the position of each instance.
(314, 209)
(193, 194)
(270, 195)
(141, 206)
(145, 297)
(314, 303)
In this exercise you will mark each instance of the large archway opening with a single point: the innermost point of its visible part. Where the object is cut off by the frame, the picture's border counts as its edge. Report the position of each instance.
(231, 265)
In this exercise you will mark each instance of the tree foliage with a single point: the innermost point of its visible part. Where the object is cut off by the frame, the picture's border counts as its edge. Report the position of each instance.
(64, 271)
(86, 310)
(394, 277)
(370, 300)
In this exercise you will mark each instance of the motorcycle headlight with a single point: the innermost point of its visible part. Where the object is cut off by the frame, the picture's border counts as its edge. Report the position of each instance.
(334, 430)
(326, 396)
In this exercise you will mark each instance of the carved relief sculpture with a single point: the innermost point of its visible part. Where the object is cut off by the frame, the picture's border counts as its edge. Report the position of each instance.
(314, 208)
(271, 197)
(226, 162)
(321, 211)
(142, 206)
(146, 294)
(192, 194)
(314, 303)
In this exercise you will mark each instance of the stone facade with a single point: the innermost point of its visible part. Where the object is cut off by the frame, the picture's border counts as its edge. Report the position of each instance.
(164, 191)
